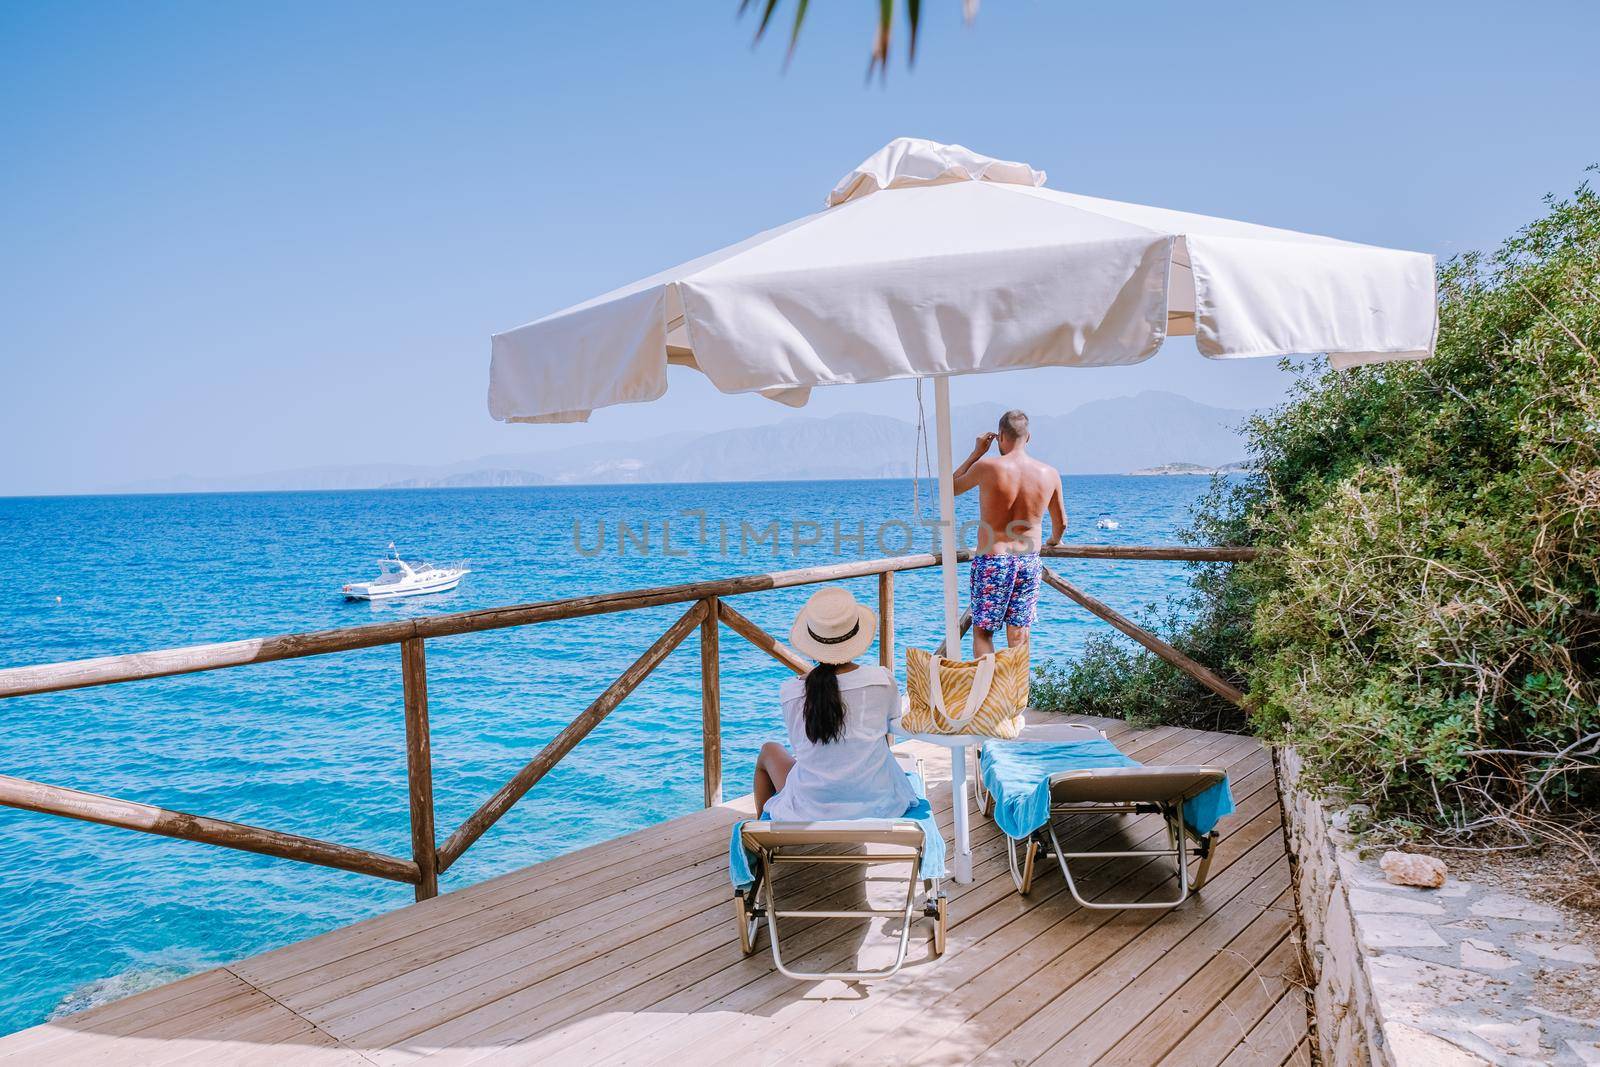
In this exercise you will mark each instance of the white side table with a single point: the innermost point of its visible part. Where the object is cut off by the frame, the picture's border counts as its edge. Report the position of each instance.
(961, 857)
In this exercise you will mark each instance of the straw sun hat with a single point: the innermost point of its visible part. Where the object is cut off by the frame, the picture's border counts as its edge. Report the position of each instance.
(832, 627)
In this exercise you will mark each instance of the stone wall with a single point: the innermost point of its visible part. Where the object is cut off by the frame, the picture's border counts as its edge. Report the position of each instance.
(1347, 1024)
(1443, 977)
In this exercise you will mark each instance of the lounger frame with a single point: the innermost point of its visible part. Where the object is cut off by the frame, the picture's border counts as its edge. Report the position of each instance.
(1183, 844)
(774, 844)
(1184, 847)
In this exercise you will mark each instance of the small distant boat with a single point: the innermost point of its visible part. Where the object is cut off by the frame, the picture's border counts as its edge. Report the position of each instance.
(1104, 523)
(403, 578)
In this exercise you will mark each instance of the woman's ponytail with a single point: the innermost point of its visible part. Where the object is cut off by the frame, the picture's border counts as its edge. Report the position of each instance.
(824, 704)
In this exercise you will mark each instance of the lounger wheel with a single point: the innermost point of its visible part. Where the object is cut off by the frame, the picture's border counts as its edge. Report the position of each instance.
(937, 909)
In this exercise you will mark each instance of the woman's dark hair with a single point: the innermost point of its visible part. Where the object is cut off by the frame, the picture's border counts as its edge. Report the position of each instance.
(824, 704)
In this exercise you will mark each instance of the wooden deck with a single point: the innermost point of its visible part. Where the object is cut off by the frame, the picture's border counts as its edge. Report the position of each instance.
(626, 952)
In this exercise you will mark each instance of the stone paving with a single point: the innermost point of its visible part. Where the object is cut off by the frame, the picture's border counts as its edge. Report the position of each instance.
(1460, 974)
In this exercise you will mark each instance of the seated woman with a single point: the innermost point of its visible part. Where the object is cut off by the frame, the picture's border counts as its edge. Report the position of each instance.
(837, 718)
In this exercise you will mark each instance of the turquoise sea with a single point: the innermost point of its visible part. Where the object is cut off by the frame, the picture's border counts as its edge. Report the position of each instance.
(316, 746)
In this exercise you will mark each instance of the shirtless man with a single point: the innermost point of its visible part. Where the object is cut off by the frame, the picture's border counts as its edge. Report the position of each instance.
(1014, 490)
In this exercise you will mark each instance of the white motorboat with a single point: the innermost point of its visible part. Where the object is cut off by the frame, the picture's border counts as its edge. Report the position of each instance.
(403, 578)
(1104, 523)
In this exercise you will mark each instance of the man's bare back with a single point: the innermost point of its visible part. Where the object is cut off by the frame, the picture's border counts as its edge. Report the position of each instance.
(1014, 492)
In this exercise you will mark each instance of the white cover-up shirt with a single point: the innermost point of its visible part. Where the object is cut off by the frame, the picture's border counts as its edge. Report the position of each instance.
(854, 776)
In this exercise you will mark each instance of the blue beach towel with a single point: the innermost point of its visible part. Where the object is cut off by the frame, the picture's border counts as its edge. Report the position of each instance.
(1017, 774)
(741, 862)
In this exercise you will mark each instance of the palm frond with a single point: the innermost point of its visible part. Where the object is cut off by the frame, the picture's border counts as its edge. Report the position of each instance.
(880, 42)
(883, 35)
(766, 17)
(794, 34)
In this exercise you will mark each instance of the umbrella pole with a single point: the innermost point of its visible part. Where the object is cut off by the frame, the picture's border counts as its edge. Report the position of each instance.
(961, 860)
(947, 520)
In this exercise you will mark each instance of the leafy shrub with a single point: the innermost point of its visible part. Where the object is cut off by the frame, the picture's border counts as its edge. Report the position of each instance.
(1425, 627)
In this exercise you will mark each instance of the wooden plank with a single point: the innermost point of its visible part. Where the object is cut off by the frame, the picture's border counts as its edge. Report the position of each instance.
(419, 766)
(124, 1016)
(528, 931)
(76, 674)
(711, 704)
(506, 1021)
(495, 999)
(980, 912)
(507, 795)
(1004, 965)
(1108, 976)
(1260, 843)
(809, 1033)
(1186, 664)
(520, 941)
(161, 663)
(1159, 1004)
(886, 620)
(162, 1034)
(551, 1009)
(614, 864)
(335, 963)
(1006, 959)
(528, 949)
(582, 874)
(763, 640)
(504, 989)
(902, 1025)
(520, 958)
(595, 878)
(305, 1046)
(720, 901)
(1180, 553)
(165, 822)
(271, 1037)
(246, 1027)
(664, 1008)
(1277, 1036)
(1215, 1030)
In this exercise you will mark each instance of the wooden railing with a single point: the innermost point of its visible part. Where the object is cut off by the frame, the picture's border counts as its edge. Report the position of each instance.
(707, 610)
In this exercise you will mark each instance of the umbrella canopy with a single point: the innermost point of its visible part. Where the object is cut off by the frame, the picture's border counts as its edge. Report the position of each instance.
(931, 260)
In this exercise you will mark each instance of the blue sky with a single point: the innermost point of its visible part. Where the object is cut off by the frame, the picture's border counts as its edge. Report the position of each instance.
(240, 237)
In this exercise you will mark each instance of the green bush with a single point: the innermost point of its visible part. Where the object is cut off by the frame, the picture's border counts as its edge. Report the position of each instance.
(1425, 627)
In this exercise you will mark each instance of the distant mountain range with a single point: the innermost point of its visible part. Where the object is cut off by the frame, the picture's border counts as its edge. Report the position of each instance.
(1136, 433)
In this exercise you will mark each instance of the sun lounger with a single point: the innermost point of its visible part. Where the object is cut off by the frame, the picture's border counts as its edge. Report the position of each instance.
(1027, 784)
(760, 846)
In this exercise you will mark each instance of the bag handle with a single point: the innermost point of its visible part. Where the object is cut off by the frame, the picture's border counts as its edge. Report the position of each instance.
(981, 681)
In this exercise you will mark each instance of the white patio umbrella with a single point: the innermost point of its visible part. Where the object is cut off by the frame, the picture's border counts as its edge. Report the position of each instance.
(932, 261)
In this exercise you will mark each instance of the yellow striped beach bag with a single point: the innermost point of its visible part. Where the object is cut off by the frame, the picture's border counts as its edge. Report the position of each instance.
(983, 696)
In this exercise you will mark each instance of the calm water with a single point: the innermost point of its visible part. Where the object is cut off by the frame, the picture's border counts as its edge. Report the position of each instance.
(316, 746)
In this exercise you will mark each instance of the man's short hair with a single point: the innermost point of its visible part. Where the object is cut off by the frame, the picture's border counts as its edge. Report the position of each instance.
(1014, 425)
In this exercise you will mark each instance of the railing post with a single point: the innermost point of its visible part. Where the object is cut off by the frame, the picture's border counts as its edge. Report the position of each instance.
(711, 702)
(886, 619)
(419, 766)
